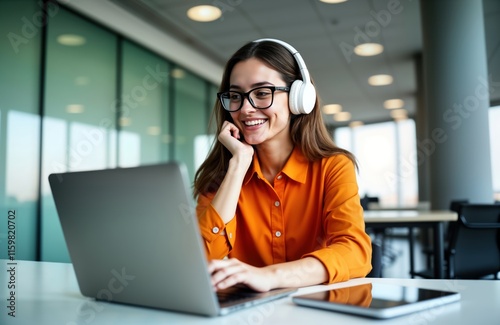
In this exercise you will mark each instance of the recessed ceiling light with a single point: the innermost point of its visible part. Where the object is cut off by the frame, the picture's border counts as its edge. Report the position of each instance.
(368, 49)
(355, 124)
(399, 114)
(71, 40)
(166, 138)
(342, 117)
(82, 81)
(333, 1)
(75, 108)
(204, 13)
(380, 80)
(125, 121)
(178, 73)
(394, 103)
(154, 130)
(332, 108)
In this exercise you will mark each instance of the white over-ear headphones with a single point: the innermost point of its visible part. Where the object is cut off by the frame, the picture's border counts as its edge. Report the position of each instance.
(302, 95)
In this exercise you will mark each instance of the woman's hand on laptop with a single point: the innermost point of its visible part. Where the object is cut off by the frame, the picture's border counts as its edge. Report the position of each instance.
(229, 272)
(302, 272)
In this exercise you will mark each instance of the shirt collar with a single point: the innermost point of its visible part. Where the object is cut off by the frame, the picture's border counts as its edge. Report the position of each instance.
(295, 168)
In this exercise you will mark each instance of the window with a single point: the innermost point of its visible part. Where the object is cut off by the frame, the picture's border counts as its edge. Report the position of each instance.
(19, 125)
(144, 121)
(494, 118)
(79, 123)
(108, 102)
(190, 107)
(386, 153)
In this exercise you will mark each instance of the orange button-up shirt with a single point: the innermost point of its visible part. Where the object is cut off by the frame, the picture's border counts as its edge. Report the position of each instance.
(313, 209)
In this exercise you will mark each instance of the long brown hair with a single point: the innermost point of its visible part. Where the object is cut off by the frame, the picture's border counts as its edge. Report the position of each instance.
(308, 131)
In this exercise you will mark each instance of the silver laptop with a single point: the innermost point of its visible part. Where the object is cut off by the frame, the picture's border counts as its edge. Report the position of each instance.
(133, 238)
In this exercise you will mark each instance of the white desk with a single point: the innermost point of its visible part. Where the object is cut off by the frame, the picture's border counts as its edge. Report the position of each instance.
(48, 294)
(422, 205)
(416, 218)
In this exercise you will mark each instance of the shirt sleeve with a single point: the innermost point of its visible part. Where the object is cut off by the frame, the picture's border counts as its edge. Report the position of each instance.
(347, 253)
(217, 236)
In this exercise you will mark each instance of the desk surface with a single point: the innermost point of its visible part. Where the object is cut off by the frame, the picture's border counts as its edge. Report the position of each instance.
(47, 293)
(423, 205)
(409, 216)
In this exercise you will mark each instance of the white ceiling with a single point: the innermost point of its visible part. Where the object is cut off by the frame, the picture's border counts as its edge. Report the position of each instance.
(320, 32)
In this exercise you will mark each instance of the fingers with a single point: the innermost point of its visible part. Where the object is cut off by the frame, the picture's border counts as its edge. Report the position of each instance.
(229, 129)
(226, 273)
(230, 272)
(231, 137)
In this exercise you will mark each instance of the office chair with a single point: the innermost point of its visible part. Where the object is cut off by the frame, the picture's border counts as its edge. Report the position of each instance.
(428, 250)
(376, 271)
(379, 234)
(474, 247)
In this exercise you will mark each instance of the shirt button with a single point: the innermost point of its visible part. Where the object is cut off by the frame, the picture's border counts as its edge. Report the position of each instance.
(215, 230)
(230, 235)
(278, 234)
(277, 203)
(280, 176)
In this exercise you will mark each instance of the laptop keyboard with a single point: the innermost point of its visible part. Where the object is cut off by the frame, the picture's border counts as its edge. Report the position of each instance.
(235, 294)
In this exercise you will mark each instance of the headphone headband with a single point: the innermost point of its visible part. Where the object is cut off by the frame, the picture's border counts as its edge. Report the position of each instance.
(302, 97)
(302, 65)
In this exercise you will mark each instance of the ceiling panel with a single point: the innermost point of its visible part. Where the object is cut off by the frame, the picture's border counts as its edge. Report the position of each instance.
(323, 34)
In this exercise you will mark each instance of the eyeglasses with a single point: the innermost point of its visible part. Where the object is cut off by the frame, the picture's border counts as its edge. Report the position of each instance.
(260, 97)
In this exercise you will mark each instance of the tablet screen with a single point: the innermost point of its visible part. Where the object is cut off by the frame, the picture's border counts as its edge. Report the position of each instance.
(377, 300)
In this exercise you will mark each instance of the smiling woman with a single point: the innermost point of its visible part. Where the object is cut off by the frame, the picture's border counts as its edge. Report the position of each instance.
(275, 194)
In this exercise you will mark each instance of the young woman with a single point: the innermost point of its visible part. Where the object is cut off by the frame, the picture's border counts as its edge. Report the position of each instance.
(275, 195)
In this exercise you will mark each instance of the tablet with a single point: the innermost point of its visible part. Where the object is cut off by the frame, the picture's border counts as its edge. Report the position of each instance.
(377, 300)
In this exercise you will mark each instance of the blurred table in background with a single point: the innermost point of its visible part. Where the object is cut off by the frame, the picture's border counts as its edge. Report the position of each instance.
(403, 218)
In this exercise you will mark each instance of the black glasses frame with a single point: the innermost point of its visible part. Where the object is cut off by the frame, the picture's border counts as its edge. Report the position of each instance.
(247, 96)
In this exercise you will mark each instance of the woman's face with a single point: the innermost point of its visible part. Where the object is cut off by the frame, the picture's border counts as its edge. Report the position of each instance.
(260, 125)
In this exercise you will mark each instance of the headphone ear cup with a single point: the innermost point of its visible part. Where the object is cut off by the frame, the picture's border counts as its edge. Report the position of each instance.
(302, 97)
(294, 97)
(308, 98)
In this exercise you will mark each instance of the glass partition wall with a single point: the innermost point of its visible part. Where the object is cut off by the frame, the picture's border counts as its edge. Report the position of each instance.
(19, 126)
(76, 96)
(78, 124)
(144, 136)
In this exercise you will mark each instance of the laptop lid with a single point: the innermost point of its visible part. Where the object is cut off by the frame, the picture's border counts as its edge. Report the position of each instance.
(133, 238)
